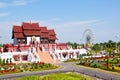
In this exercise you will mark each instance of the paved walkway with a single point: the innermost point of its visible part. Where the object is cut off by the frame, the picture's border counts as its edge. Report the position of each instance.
(67, 67)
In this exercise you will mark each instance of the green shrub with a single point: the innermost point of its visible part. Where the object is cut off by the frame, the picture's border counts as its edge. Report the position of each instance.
(21, 70)
(113, 68)
(3, 62)
(102, 67)
(10, 60)
(36, 66)
(7, 61)
(92, 64)
(0, 61)
(95, 64)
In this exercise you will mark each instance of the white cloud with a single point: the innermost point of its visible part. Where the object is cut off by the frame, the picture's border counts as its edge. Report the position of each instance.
(79, 23)
(15, 3)
(3, 4)
(21, 2)
(18, 3)
(3, 14)
(59, 23)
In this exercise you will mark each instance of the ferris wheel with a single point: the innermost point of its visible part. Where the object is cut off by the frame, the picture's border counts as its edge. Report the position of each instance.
(88, 37)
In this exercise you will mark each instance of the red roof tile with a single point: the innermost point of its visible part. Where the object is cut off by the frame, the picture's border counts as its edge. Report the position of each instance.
(32, 26)
(44, 35)
(43, 29)
(17, 28)
(52, 37)
(51, 32)
(18, 35)
(31, 33)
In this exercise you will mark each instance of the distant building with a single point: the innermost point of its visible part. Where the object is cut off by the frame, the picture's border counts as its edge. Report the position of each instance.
(32, 33)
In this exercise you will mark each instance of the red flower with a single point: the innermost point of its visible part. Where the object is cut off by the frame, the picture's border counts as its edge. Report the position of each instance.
(105, 65)
(41, 63)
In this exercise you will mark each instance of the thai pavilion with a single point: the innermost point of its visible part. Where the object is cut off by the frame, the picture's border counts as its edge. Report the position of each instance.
(47, 50)
(32, 33)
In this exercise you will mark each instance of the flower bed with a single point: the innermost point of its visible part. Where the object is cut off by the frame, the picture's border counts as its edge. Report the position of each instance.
(111, 64)
(23, 67)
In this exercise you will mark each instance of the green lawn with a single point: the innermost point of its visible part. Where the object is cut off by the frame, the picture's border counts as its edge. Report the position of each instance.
(58, 76)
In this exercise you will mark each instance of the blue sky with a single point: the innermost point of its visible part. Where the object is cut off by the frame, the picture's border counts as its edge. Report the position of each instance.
(69, 18)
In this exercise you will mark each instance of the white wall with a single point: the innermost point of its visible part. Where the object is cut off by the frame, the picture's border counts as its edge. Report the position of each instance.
(83, 51)
(28, 40)
(37, 39)
(8, 55)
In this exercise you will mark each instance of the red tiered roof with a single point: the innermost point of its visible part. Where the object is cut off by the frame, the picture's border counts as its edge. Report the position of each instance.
(17, 32)
(51, 32)
(43, 29)
(30, 29)
(44, 32)
(33, 29)
(31, 33)
(18, 35)
(31, 26)
(52, 35)
(44, 35)
(17, 29)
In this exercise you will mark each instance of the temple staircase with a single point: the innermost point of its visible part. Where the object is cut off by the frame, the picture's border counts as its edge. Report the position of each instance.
(44, 56)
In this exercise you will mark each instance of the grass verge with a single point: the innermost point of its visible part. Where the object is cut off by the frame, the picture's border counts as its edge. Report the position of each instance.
(58, 76)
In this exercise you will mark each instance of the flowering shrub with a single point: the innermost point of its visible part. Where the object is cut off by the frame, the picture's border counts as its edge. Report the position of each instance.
(26, 67)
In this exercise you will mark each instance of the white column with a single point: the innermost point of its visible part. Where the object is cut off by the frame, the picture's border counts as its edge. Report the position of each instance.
(38, 39)
(62, 56)
(68, 55)
(20, 58)
(72, 55)
(75, 56)
(28, 40)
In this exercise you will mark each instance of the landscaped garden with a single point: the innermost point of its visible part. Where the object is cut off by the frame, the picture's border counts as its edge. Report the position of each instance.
(109, 58)
(6, 68)
(58, 76)
(111, 64)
